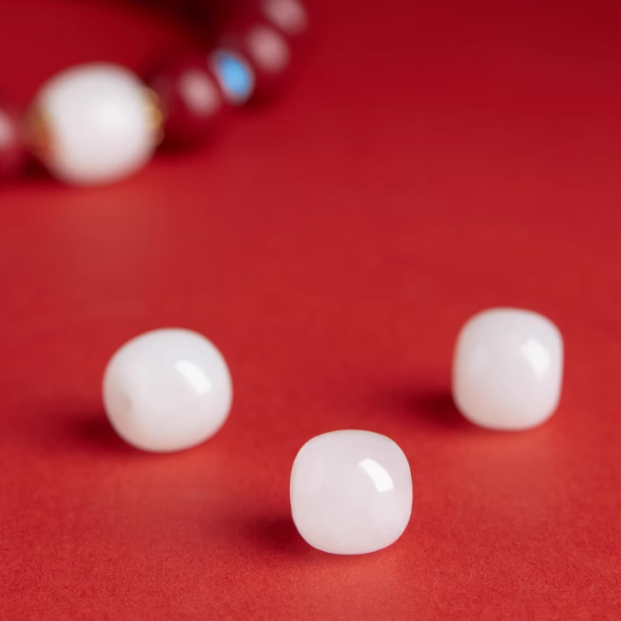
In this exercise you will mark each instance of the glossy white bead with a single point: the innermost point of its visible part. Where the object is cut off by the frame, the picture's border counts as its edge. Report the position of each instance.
(351, 492)
(99, 121)
(167, 390)
(508, 369)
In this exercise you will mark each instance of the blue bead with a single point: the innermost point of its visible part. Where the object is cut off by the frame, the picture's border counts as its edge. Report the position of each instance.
(236, 77)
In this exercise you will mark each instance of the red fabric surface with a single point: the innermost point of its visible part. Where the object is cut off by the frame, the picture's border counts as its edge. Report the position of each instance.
(434, 159)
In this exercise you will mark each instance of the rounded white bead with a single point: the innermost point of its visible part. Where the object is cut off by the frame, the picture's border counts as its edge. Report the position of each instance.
(351, 492)
(98, 121)
(508, 369)
(167, 390)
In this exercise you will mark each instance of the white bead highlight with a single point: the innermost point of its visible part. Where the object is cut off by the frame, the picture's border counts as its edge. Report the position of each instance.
(100, 122)
(289, 15)
(200, 93)
(508, 369)
(167, 390)
(268, 49)
(351, 492)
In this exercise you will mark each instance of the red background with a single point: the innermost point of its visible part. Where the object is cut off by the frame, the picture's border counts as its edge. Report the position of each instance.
(434, 158)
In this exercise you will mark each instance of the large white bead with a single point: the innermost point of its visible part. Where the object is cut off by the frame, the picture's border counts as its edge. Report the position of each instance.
(167, 390)
(508, 369)
(351, 492)
(99, 124)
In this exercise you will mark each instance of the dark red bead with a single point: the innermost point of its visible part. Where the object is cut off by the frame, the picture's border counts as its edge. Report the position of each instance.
(191, 99)
(269, 51)
(216, 15)
(290, 17)
(12, 146)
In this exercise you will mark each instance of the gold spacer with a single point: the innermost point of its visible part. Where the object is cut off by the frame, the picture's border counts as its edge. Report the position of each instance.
(155, 115)
(38, 133)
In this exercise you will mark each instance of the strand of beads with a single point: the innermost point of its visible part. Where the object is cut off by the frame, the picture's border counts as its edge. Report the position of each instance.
(99, 123)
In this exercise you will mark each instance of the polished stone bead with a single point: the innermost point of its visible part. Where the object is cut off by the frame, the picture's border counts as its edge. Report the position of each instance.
(167, 390)
(290, 16)
(351, 492)
(95, 124)
(265, 49)
(234, 73)
(508, 369)
(191, 99)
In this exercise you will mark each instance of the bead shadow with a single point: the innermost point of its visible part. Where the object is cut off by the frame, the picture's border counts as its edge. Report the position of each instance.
(35, 173)
(96, 433)
(428, 406)
(74, 429)
(278, 533)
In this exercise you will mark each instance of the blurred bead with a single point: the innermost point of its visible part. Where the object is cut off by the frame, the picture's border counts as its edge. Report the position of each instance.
(99, 124)
(508, 369)
(191, 99)
(12, 148)
(266, 50)
(234, 74)
(167, 390)
(289, 16)
(215, 15)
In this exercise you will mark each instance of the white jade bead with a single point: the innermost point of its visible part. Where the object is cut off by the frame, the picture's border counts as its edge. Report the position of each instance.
(167, 390)
(97, 123)
(351, 492)
(508, 369)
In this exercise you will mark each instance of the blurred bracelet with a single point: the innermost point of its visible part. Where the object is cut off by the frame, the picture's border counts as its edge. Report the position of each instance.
(98, 123)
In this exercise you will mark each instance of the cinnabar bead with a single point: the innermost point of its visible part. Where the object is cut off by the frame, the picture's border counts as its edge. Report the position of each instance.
(289, 16)
(12, 145)
(265, 48)
(190, 97)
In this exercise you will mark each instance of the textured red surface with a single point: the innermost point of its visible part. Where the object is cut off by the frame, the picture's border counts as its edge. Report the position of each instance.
(436, 158)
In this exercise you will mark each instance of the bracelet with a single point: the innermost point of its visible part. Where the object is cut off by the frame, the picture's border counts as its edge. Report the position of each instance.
(98, 123)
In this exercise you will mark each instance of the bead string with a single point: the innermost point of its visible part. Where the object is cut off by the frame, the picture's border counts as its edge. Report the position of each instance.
(98, 123)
